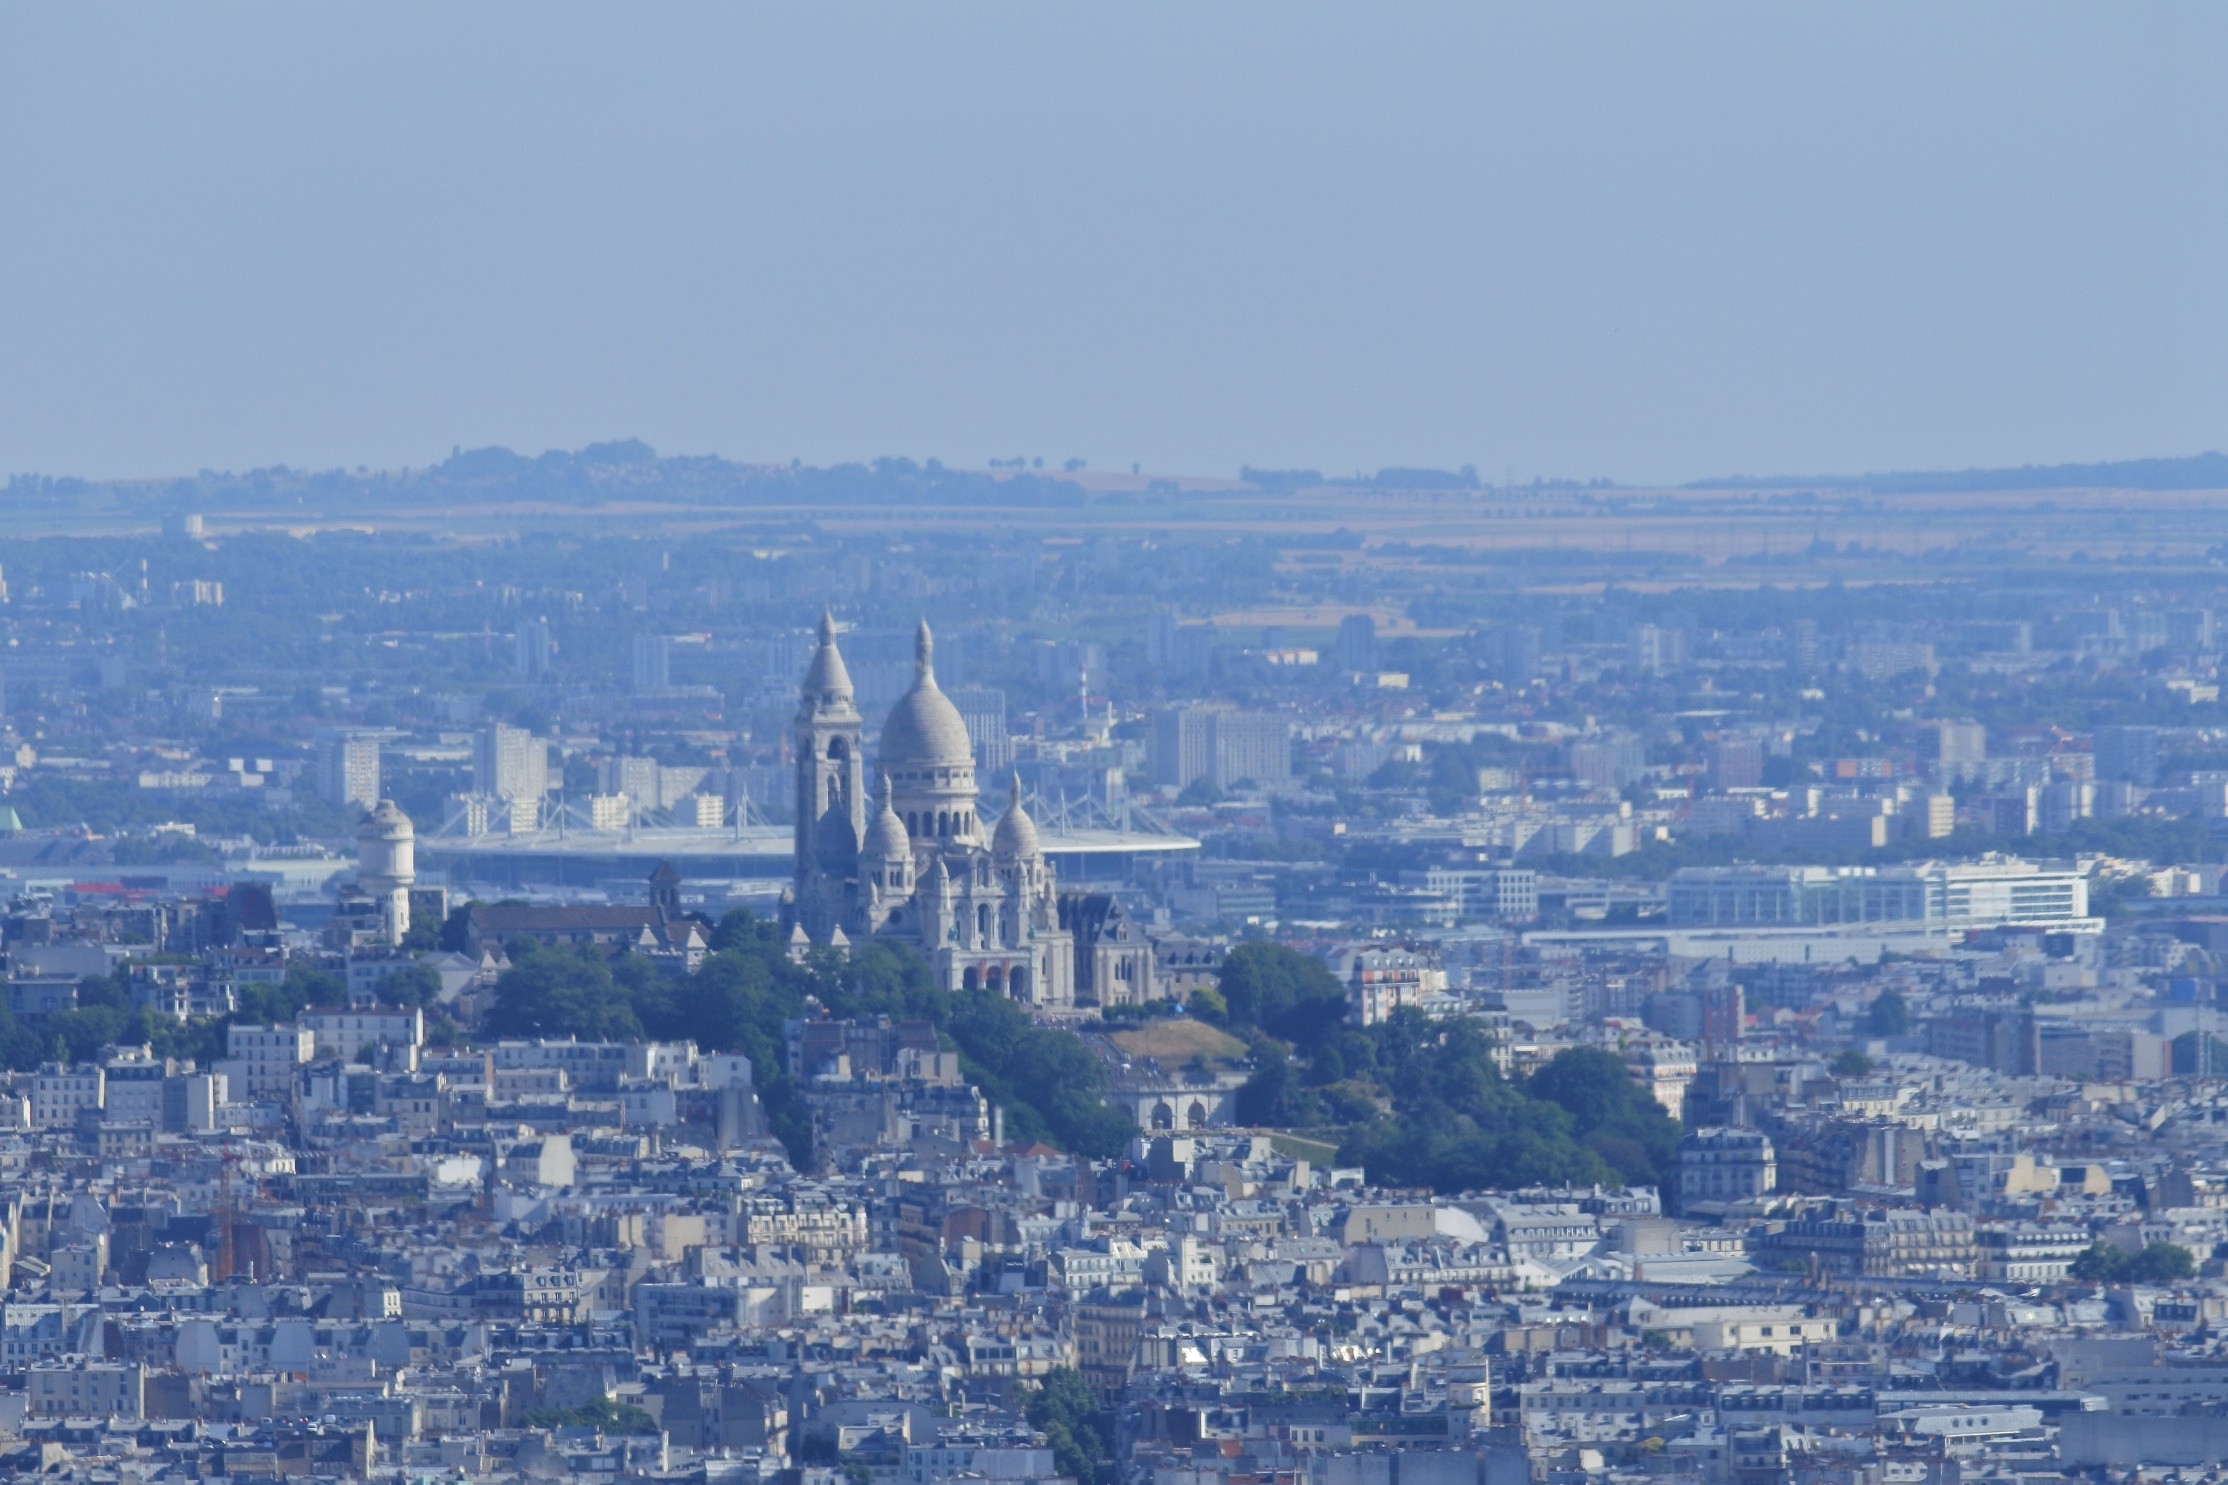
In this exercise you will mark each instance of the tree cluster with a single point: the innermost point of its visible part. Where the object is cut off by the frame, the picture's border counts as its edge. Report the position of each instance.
(2157, 1263)
(1047, 1082)
(1074, 1425)
(1418, 1102)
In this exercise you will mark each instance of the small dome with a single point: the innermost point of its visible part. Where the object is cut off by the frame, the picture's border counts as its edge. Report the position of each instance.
(924, 730)
(886, 838)
(386, 818)
(1017, 833)
(827, 679)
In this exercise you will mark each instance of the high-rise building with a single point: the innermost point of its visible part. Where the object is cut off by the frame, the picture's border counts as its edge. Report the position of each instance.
(1610, 760)
(1724, 1010)
(1357, 642)
(1250, 746)
(1736, 762)
(983, 709)
(2127, 754)
(653, 664)
(1177, 650)
(511, 764)
(348, 768)
(1220, 744)
(533, 651)
(1956, 744)
(1180, 751)
(1657, 649)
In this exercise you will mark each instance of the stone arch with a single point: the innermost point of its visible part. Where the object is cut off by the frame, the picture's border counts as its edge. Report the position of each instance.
(1017, 983)
(982, 922)
(971, 980)
(1195, 1117)
(1164, 1117)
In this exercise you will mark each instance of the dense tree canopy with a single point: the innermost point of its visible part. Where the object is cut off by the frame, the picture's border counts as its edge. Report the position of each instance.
(2157, 1263)
(1421, 1102)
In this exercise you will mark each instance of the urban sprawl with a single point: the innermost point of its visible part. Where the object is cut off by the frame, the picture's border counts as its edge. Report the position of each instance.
(613, 968)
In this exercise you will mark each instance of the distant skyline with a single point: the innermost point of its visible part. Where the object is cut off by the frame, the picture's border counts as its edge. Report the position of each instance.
(1643, 244)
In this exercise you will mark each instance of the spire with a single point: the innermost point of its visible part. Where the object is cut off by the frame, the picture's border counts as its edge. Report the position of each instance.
(1016, 836)
(924, 651)
(828, 681)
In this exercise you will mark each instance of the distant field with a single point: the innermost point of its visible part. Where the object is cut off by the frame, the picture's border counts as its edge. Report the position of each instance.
(1178, 1040)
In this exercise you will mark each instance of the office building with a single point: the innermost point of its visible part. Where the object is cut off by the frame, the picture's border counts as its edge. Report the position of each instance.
(1951, 897)
(510, 764)
(2127, 755)
(533, 651)
(1960, 744)
(1250, 747)
(1735, 763)
(348, 769)
(1219, 744)
(1357, 642)
(653, 665)
(1609, 761)
(983, 709)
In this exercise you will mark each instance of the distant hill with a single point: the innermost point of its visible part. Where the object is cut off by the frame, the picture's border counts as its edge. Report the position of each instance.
(2208, 471)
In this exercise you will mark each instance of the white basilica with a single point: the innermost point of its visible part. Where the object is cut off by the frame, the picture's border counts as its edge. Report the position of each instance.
(915, 864)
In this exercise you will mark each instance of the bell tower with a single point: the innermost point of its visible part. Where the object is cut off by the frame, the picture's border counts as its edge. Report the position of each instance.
(831, 793)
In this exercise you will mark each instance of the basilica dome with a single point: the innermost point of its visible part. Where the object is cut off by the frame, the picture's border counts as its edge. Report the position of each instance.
(923, 730)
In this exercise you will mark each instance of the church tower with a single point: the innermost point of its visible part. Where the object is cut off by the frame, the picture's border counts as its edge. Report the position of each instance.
(831, 793)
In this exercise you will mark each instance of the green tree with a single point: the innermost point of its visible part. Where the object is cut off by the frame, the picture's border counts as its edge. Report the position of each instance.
(2160, 1263)
(1851, 1064)
(558, 992)
(1077, 1429)
(1614, 1116)
(1888, 1015)
(1281, 991)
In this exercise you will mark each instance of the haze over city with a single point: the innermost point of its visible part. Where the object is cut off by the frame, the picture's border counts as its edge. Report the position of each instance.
(1651, 246)
(1257, 745)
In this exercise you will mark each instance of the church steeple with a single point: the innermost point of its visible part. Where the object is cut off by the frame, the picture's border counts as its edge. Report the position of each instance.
(831, 792)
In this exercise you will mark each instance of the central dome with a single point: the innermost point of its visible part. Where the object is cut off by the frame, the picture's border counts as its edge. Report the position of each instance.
(924, 730)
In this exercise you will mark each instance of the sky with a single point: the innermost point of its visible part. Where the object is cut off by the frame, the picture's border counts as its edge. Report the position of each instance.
(1642, 242)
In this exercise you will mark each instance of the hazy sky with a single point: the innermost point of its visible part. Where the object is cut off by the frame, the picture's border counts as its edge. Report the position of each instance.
(1648, 242)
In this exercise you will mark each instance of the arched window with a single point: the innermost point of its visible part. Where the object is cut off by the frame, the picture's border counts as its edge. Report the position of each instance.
(972, 980)
(1197, 1115)
(1164, 1117)
(943, 822)
(982, 923)
(1017, 983)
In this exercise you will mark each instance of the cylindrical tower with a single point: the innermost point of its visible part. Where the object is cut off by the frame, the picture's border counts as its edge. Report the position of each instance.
(387, 863)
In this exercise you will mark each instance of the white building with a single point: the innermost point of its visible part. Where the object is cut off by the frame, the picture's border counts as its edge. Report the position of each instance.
(1382, 978)
(59, 1094)
(1946, 897)
(510, 764)
(261, 1060)
(348, 769)
(1725, 1165)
